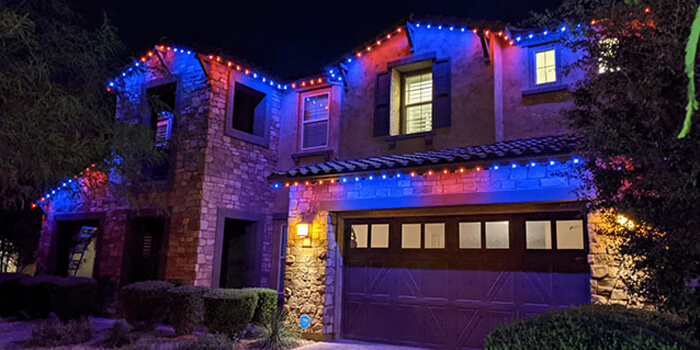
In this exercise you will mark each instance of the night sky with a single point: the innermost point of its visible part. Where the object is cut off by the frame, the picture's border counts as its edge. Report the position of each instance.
(288, 38)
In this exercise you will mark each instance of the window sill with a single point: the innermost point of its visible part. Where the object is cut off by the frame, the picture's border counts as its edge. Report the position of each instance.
(244, 136)
(545, 89)
(326, 154)
(428, 135)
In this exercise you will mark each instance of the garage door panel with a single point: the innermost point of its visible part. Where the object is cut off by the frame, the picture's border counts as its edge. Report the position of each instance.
(450, 297)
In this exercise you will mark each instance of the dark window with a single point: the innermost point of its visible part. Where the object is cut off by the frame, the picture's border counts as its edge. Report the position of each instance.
(245, 103)
(161, 105)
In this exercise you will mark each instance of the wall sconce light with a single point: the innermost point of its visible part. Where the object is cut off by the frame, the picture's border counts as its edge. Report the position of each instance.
(302, 230)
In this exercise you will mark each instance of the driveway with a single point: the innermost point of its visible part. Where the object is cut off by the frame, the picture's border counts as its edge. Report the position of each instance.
(353, 345)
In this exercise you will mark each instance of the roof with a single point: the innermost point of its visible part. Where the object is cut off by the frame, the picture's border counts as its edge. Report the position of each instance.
(525, 149)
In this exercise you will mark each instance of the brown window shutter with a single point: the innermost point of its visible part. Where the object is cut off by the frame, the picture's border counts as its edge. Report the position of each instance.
(442, 112)
(381, 104)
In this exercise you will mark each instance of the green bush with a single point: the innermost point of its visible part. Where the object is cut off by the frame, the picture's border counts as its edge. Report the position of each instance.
(274, 334)
(215, 342)
(10, 294)
(36, 292)
(229, 311)
(186, 308)
(74, 297)
(145, 303)
(593, 327)
(117, 336)
(56, 333)
(267, 303)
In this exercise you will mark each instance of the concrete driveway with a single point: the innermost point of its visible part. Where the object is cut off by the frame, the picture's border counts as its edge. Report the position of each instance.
(353, 345)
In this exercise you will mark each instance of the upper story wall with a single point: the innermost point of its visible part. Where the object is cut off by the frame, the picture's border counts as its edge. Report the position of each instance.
(490, 86)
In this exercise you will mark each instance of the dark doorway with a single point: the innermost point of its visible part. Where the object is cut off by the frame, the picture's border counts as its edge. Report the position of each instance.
(238, 254)
(143, 258)
(67, 233)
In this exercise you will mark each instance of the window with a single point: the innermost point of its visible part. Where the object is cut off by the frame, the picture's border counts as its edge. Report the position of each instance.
(435, 236)
(545, 67)
(380, 236)
(410, 236)
(570, 234)
(161, 105)
(538, 235)
(497, 236)
(358, 236)
(469, 235)
(248, 111)
(377, 235)
(417, 109)
(314, 123)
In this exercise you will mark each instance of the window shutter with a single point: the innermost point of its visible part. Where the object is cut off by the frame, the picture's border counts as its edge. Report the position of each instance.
(381, 104)
(442, 113)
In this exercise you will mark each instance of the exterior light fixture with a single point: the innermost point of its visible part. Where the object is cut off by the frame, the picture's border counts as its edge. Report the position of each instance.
(302, 230)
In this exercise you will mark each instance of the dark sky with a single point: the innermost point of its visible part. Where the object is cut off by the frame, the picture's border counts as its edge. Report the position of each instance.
(287, 38)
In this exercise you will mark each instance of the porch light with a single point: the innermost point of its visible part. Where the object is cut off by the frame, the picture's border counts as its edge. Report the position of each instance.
(302, 230)
(625, 222)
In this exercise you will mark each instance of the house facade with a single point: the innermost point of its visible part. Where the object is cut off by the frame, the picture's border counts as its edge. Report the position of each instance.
(418, 192)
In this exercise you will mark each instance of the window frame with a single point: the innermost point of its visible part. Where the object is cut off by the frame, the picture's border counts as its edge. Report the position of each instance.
(229, 130)
(403, 106)
(302, 123)
(533, 65)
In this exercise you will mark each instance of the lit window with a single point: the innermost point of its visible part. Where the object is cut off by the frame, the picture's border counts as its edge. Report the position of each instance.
(410, 236)
(358, 236)
(538, 235)
(469, 235)
(315, 121)
(570, 234)
(380, 236)
(434, 236)
(545, 67)
(497, 236)
(417, 114)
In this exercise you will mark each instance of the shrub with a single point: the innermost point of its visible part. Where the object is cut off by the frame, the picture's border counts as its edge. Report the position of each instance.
(274, 333)
(145, 303)
(36, 292)
(215, 342)
(74, 297)
(10, 294)
(54, 332)
(229, 311)
(117, 335)
(186, 308)
(267, 304)
(593, 327)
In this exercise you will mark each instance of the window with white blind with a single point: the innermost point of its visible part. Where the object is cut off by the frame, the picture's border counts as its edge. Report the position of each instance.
(545, 67)
(314, 121)
(417, 113)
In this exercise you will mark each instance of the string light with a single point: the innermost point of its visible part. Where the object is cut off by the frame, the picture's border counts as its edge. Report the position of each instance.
(414, 174)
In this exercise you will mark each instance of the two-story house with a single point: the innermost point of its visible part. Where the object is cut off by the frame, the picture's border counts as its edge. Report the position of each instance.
(416, 192)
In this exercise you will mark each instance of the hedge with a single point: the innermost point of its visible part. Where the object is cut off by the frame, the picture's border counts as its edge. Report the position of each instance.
(186, 308)
(145, 303)
(229, 311)
(69, 298)
(594, 327)
(10, 294)
(267, 303)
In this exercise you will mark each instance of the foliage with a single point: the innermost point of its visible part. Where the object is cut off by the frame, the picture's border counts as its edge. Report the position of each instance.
(69, 298)
(229, 311)
(593, 327)
(267, 303)
(186, 308)
(10, 294)
(207, 342)
(627, 120)
(56, 333)
(57, 117)
(145, 303)
(274, 334)
(19, 235)
(117, 335)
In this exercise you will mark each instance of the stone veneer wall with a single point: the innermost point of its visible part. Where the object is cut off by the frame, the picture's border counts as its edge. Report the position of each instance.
(181, 195)
(311, 279)
(236, 172)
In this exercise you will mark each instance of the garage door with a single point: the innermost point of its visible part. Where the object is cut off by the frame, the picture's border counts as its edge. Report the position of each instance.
(447, 282)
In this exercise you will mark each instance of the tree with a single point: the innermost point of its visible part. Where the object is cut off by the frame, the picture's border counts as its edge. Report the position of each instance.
(56, 115)
(628, 119)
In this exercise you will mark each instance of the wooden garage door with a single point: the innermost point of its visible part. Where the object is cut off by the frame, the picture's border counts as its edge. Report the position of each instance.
(447, 282)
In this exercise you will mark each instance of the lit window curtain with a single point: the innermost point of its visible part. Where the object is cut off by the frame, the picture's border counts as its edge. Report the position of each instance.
(418, 97)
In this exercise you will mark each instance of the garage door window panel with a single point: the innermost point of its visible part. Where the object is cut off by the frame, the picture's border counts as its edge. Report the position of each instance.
(470, 235)
(434, 236)
(380, 236)
(359, 235)
(410, 236)
(497, 235)
(538, 234)
(570, 234)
